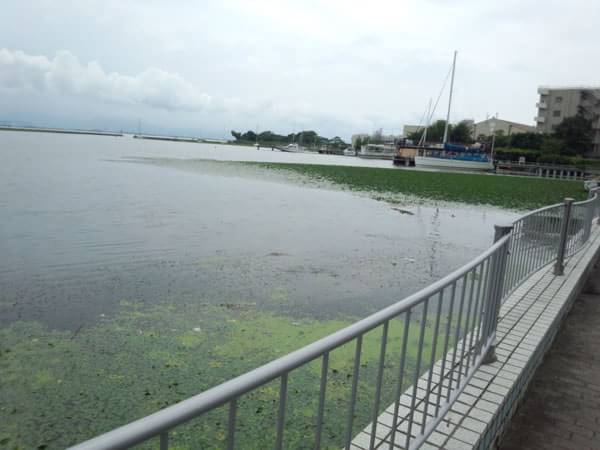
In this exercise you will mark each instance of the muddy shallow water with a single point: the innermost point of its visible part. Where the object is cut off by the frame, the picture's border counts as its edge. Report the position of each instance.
(119, 274)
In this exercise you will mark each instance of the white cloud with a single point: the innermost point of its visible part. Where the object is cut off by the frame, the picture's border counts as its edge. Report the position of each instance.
(65, 74)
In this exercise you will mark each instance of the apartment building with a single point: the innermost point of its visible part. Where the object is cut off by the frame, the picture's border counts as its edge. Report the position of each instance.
(557, 103)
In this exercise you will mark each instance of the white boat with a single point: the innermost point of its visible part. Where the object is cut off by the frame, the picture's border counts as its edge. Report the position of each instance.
(293, 148)
(451, 156)
(449, 163)
(377, 151)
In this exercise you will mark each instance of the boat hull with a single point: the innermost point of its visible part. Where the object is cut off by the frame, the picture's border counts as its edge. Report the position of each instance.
(447, 163)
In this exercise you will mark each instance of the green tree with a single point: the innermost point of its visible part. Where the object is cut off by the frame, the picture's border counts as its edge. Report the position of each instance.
(552, 146)
(460, 133)
(249, 136)
(501, 140)
(529, 140)
(576, 133)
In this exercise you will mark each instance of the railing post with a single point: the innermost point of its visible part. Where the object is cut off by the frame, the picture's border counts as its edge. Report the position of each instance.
(559, 266)
(495, 291)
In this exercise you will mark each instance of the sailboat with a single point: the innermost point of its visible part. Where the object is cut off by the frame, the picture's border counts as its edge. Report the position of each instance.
(451, 156)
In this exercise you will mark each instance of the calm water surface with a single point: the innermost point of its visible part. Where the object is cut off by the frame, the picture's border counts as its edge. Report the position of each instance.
(81, 230)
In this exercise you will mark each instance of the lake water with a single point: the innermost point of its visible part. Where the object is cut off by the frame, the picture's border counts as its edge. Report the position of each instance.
(80, 231)
(94, 229)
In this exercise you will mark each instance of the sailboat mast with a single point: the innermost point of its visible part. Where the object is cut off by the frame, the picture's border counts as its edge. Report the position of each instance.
(450, 99)
(427, 122)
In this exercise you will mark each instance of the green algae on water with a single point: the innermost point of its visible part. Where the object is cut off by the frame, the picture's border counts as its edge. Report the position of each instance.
(59, 388)
(520, 193)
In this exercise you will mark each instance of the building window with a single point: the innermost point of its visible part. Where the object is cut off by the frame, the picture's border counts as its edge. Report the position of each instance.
(558, 100)
(556, 113)
(554, 127)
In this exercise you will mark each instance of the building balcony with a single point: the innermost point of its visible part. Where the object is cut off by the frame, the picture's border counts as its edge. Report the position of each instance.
(540, 119)
(543, 91)
(541, 105)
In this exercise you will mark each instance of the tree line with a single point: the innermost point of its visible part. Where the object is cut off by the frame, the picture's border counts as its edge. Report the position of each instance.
(308, 138)
(572, 137)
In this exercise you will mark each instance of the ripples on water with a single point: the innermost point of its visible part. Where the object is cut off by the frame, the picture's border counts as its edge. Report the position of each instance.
(82, 231)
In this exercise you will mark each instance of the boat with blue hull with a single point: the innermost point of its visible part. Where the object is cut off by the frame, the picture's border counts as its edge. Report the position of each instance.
(451, 156)
(454, 157)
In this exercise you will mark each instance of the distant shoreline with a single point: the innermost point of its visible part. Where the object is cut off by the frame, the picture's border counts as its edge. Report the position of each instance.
(61, 131)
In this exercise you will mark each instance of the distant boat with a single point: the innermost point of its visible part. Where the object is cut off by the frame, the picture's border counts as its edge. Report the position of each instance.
(350, 151)
(450, 155)
(377, 151)
(293, 148)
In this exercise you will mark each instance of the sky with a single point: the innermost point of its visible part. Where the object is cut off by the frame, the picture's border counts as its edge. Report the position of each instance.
(203, 67)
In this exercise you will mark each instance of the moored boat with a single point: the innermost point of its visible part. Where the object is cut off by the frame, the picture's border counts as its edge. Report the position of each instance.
(451, 156)
(377, 151)
(454, 157)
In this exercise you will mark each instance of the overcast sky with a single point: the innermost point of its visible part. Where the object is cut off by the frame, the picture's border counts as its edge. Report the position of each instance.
(204, 67)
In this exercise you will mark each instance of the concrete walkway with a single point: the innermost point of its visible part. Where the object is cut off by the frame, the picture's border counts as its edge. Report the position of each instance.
(561, 409)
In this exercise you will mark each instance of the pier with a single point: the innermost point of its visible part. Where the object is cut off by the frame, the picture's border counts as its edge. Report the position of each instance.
(541, 170)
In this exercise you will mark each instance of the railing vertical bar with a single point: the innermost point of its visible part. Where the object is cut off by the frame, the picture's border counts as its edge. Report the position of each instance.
(570, 232)
(417, 370)
(523, 265)
(531, 248)
(475, 312)
(231, 424)
(485, 268)
(467, 323)
(547, 236)
(384, 335)
(445, 354)
(513, 251)
(457, 335)
(400, 377)
(570, 225)
(489, 309)
(281, 413)
(432, 359)
(355, 374)
(164, 440)
(519, 254)
(546, 240)
(514, 242)
(539, 240)
(321, 412)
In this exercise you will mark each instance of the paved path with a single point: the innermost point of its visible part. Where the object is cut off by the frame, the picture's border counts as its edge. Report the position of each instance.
(561, 409)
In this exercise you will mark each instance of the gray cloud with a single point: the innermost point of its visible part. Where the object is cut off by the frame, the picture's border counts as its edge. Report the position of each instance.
(65, 74)
(339, 66)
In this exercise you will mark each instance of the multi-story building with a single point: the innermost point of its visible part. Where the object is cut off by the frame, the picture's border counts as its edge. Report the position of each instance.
(557, 103)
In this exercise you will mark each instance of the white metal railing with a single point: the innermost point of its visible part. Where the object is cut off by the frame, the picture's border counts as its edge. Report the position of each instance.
(453, 320)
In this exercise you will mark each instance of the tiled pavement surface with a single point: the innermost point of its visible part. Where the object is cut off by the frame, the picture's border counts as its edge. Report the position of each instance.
(562, 406)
